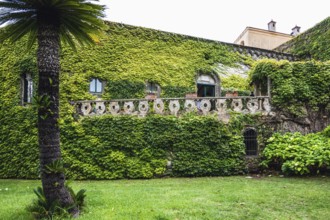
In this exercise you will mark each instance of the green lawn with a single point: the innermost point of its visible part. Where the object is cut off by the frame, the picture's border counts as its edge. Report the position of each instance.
(195, 198)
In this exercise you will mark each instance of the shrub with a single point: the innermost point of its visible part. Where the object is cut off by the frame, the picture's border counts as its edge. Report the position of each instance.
(298, 154)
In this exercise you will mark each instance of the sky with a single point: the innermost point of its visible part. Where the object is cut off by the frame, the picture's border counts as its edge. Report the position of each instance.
(216, 19)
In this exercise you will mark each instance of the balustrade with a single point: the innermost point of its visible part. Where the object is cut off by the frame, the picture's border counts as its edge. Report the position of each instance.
(175, 106)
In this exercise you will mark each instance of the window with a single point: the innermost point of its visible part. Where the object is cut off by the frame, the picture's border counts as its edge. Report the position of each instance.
(95, 86)
(153, 88)
(251, 142)
(26, 88)
(205, 86)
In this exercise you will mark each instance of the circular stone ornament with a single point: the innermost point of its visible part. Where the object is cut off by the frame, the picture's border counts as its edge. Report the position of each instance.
(86, 108)
(114, 108)
(159, 106)
(221, 105)
(237, 105)
(128, 108)
(100, 108)
(190, 105)
(174, 107)
(143, 107)
(205, 106)
(252, 105)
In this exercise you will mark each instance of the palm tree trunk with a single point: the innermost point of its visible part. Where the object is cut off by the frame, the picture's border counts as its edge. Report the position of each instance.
(48, 115)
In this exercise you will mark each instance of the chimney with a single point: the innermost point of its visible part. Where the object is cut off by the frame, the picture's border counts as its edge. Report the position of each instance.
(272, 25)
(295, 31)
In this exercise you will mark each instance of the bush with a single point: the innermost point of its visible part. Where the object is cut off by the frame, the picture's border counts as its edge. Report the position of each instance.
(298, 154)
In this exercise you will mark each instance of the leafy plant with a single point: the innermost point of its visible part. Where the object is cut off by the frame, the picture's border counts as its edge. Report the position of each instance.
(298, 154)
(43, 209)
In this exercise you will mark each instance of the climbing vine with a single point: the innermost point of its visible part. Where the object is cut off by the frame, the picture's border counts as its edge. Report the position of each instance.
(297, 85)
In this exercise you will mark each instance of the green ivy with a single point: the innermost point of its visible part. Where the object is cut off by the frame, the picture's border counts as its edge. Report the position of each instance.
(295, 86)
(313, 43)
(108, 147)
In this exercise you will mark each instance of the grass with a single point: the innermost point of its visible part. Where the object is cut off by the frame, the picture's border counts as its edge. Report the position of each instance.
(186, 198)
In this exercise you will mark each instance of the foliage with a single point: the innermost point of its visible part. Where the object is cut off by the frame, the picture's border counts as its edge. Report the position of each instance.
(43, 209)
(298, 154)
(108, 147)
(295, 86)
(24, 18)
(313, 43)
(236, 82)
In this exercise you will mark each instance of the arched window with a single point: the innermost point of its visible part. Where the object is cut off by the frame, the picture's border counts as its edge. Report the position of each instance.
(250, 141)
(95, 86)
(153, 88)
(206, 86)
(26, 88)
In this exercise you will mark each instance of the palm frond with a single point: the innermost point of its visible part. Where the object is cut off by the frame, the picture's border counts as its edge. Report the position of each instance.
(79, 20)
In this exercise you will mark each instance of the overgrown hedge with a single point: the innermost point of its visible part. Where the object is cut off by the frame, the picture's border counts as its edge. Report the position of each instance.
(295, 153)
(109, 147)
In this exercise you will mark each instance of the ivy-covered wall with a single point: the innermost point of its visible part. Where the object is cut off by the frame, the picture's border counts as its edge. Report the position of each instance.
(300, 92)
(107, 147)
(313, 43)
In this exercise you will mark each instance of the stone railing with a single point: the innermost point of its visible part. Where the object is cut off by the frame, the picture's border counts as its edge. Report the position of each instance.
(175, 106)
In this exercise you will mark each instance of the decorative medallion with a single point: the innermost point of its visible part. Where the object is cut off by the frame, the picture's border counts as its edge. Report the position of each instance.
(143, 107)
(253, 105)
(205, 106)
(174, 107)
(86, 108)
(237, 105)
(114, 108)
(159, 106)
(221, 105)
(190, 105)
(99, 108)
(128, 107)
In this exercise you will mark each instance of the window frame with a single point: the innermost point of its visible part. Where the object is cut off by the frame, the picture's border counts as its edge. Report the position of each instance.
(95, 91)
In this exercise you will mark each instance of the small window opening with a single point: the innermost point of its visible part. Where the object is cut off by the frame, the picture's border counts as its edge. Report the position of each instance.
(27, 88)
(95, 86)
(251, 142)
(153, 89)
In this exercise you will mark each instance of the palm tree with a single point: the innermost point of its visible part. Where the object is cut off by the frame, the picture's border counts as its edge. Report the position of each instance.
(50, 22)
